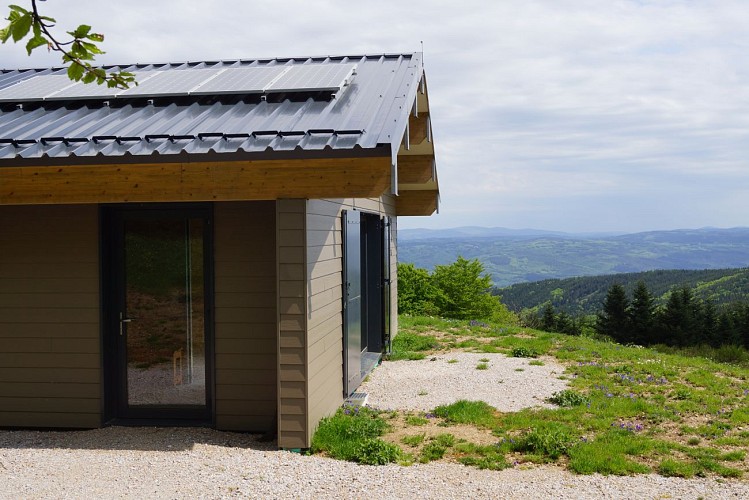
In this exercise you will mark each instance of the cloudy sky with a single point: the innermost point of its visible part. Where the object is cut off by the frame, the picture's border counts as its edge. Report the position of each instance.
(569, 115)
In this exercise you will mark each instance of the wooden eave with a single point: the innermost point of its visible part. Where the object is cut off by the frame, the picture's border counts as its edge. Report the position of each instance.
(418, 189)
(359, 177)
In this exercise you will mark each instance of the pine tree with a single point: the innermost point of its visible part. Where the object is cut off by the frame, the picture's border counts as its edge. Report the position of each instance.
(680, 318)
(548, 318)
(642, 315)
(613, 320)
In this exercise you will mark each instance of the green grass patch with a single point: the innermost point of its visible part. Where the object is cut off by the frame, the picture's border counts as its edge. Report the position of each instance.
(416, 420)
(674, 468)
(412, 346)
(482, 366)
(618, 414)
(467, 412)
(353, 434)
(414, 440)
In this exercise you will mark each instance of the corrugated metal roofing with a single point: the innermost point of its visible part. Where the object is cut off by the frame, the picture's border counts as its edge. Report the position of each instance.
(371, 112)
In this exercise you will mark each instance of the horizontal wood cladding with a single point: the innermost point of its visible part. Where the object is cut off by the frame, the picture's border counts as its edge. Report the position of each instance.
(324, 339)
(49, 317)
(293, 431)
(210, 181)
(417, 202)
(245, 324)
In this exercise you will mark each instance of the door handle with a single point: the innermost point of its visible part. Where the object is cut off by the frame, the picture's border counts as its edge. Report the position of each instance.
(123, 321)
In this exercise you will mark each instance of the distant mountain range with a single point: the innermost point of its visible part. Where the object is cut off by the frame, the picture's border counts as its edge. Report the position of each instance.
(523, 255)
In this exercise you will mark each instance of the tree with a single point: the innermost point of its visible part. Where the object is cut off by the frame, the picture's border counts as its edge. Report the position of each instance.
(680, 318)
(77, 54)
(548, 318)
(464, 292)
(642, 315)
(613, 320)
(416, 291)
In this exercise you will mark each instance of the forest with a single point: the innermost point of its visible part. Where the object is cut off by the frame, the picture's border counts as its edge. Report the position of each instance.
(584, 295)
(685, 320)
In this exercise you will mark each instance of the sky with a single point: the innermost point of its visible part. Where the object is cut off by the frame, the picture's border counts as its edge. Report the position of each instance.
(565, 115)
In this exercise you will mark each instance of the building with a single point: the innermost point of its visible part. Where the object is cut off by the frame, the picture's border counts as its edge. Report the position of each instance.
(215, 246)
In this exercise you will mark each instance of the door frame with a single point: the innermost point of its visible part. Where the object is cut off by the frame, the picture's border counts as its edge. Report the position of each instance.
(111, 220)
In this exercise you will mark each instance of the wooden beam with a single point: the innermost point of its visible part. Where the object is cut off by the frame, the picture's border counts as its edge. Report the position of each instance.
(415, 169)
(418, 127)
(210, 181)
(416, 202)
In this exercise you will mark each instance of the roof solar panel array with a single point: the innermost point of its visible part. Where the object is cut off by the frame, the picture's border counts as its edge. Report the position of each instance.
(170, 83)
(248, 80)
(314, 77)
(36, 88)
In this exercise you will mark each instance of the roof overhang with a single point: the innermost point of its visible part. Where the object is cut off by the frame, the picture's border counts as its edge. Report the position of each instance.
(417, 186)
(359, 177)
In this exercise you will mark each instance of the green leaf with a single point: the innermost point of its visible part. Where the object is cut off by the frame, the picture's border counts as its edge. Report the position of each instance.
(89, 77)
(91, 47)
(20, 28)
(81, 31)
(35, 42)
(75, 71)
(95, 37)
(5, 34)
(18, 9)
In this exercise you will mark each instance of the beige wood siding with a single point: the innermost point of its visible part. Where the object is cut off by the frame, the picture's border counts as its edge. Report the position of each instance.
(293, 429)
(245, 325)
(325, 299)
(50, 363)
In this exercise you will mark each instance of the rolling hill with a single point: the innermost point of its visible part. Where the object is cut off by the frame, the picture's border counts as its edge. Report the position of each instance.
(585, 295)
(517, 256)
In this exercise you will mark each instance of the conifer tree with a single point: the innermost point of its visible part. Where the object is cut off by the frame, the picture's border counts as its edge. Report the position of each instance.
(642, 315)
(613, 320)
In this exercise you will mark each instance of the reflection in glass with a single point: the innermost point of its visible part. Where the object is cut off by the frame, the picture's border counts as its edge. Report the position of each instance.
(165, 300)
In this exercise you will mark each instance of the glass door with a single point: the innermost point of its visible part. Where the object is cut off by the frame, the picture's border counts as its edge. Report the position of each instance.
(162, 356)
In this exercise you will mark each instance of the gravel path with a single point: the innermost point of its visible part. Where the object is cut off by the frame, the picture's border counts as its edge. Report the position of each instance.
(139, 463)
(508, 384)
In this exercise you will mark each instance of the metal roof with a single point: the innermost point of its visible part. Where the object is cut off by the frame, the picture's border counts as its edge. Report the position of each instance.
(367, 116)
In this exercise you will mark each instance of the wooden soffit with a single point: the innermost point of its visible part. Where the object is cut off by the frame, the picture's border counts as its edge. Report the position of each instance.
(422, 202)
(209, 181)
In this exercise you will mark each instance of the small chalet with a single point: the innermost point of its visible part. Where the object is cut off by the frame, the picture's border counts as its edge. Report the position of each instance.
(214, 246)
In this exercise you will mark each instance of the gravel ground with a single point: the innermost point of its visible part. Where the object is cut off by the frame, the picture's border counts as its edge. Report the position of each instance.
(119, 462)
(508, 384)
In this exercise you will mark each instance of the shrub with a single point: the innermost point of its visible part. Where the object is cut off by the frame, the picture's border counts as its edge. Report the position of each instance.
(523, 352)
(552, 441)
(568, 398)
(375, 451)
(459, 291)
(352, 434)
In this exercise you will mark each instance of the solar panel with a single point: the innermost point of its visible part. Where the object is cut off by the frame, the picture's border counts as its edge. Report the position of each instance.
(241, 80)
(248, 80)
(177, 82)
(317, 77)
(36, 88)
(86, 91)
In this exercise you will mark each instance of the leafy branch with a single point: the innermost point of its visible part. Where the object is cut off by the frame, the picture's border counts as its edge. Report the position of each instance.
(77, 53)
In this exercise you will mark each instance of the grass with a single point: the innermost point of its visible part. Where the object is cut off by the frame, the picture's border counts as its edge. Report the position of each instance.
(627, 409)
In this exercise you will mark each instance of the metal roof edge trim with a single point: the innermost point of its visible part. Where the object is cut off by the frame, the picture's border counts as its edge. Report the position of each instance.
(382, 151)
(402, 122)
(230, 60)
